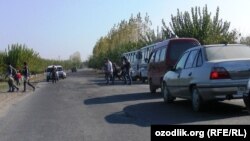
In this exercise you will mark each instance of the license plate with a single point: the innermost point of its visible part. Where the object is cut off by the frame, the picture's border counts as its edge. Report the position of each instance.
(241, 90)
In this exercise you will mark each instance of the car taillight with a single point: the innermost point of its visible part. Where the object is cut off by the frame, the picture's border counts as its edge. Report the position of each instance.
(219, 73)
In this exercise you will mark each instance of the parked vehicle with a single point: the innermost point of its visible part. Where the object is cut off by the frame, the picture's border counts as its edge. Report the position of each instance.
(204, 73)
(61, 72)
(139, 62)
(143, 61)
(164, 57)
(73, 69)
(246, 96)
(48, 73)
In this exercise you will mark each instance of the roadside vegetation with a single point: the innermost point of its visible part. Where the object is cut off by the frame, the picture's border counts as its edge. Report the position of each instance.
(137, 31)
(16, 54)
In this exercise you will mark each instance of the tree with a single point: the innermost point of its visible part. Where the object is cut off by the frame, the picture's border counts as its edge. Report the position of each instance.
(75, 58)
(16, 54)
(125, 36)
(2, 63)
(245, 40)
(202, 26)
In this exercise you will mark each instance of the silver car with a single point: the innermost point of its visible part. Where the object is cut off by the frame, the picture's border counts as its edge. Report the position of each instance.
(61, 72)
(214, 72)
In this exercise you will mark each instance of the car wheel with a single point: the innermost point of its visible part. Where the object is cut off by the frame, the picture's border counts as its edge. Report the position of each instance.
(151, 88)
(196, 100)
(246, 99)
(168, 98)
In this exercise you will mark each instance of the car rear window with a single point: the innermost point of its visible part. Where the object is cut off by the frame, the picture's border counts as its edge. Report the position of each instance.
(177, 48)
(59, 69)
(227, 52)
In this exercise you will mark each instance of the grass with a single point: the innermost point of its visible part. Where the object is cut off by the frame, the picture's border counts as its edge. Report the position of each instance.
(3, 86)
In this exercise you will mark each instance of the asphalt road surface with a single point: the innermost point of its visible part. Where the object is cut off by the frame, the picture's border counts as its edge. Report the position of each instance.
(83, 108)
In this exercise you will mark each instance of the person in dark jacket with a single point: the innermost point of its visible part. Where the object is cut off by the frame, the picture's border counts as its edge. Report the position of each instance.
(116, 71)
(26, 77)
(126, 70)
(53, 74)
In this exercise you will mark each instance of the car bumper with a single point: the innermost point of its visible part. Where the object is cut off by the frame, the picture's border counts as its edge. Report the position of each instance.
(62, 76)
(222, 91)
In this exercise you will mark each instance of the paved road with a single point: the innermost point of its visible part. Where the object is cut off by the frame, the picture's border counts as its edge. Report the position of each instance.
(82, 108)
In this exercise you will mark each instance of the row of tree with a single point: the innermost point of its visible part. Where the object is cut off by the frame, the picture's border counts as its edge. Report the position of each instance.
(137, 32)
(16, 54)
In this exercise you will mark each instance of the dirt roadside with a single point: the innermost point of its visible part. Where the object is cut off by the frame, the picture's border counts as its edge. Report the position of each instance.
(10, 98)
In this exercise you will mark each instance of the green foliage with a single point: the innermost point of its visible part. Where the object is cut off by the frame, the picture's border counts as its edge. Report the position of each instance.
(201, 25)
(123, 37)
(2, 64)
(16, 54)
(245, 40)
(76, 59)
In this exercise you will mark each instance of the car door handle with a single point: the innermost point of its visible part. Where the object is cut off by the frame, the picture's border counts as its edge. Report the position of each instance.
(190, 74)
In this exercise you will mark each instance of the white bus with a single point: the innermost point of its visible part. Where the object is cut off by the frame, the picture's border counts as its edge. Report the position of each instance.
(139, 62)
(143, 61)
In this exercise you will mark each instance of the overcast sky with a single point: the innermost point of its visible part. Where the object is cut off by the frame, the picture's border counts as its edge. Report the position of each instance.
(58, 28)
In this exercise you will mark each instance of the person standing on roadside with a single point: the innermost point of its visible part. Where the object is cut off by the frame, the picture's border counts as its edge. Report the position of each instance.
(10, 71)
(109, 71)
(53, 74)
(26, 77)
(126, 71)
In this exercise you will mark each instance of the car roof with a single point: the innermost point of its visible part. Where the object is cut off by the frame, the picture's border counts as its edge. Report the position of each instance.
(165, 42)
(216, 45)
(223, 45)
(54, 65)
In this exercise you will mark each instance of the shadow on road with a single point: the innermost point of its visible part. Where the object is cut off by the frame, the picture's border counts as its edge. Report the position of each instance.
(121, 98)
(180, 112)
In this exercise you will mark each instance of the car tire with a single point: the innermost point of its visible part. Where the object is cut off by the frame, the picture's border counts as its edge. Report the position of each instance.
(167, 97)
(197, 103)
(246, 99)
(151, 88)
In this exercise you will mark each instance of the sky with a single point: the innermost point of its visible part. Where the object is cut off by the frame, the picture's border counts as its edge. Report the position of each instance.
(58, 28)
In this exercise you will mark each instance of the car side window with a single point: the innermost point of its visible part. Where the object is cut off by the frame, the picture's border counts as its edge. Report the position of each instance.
(191, 59)
(181, 63)
(157, 55)
(163, 53)
(199, 60)
(152, 57)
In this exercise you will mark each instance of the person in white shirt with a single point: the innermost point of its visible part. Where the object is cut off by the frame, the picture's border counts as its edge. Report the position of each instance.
(108, 71)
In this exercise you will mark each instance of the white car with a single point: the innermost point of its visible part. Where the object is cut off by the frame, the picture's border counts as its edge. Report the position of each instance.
(48, 73)
(60, 71)
(246, 96)
(204, 73)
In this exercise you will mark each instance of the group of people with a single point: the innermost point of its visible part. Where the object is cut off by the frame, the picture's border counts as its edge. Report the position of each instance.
(14, 75)
(112, 71)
